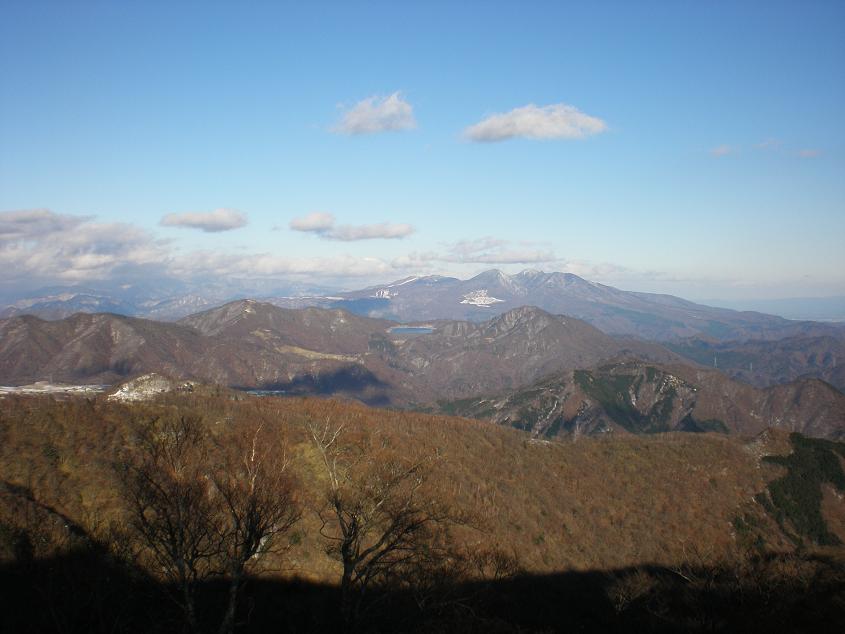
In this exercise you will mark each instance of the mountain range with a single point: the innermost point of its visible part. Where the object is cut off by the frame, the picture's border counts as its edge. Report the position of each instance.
(164, 299)
(250, 344)
(547, 373)
(644, 315)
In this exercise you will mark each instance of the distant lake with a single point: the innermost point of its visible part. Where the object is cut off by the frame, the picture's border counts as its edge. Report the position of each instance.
(411, 330)
(266, 392)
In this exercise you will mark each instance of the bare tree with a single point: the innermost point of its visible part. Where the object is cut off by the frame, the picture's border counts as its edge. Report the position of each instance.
(377, 517)
(170, 507)
(203, 509)
(258, 504)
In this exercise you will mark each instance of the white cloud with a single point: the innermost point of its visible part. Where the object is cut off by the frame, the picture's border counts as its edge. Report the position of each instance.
(42, 245)
(210, 222)
(35, 223)
(808, 153)
(382, 230)
(323, 225)
(722, 150)
(378, 114)
(486, 250)
(270, 265)
(316, 221)
(494, 251)
(39, 248)
(557, 121)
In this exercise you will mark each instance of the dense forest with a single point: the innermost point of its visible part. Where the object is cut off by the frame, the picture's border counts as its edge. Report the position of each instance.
(215, 512)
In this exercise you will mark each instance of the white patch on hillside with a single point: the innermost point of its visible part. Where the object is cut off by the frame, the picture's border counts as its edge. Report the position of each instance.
(480, 298)
(148, 386)
(413, 278)
(386, 293)
(45, 387)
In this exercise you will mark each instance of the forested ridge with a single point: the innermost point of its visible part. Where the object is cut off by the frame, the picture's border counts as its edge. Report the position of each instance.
(211, 511)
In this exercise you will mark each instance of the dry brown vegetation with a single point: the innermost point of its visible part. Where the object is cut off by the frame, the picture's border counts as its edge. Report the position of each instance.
(603, 503)
(596, 503)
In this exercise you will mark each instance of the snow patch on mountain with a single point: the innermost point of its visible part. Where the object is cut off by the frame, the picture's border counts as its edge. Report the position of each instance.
(480, 298)
(413, 278)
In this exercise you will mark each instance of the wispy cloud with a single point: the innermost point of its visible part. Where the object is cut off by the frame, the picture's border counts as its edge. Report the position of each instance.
(316, 221)
(42, 245)
(35, 223)
(323, 225)
(723, 150)
(809, 153)
(210, 222)
(557, 121)
(495, 251)
(271, 265)
(487, 250)
(377, 114)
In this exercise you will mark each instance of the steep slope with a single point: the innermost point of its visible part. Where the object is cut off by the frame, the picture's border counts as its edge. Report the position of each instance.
(644, 398)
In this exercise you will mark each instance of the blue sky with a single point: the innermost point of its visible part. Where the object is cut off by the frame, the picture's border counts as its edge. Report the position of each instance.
(694, 148)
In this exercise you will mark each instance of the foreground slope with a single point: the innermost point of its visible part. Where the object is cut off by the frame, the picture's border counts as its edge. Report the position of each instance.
(595, 504)
(669, 532)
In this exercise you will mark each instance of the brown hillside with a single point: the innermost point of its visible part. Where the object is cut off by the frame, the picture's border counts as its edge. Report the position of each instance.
(598, 503)
(637, 397)
(253, 345)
